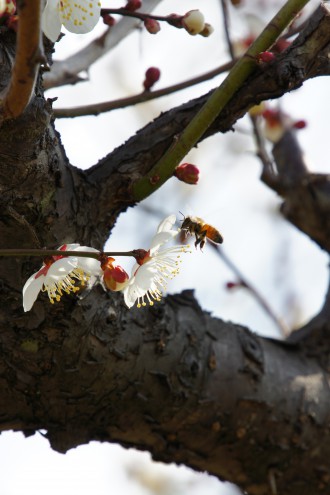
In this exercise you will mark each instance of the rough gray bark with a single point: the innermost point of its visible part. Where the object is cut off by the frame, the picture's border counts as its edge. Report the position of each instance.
(170, 379)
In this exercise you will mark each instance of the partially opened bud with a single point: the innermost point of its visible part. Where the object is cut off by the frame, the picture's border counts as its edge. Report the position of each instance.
(151, 25)
(115, 278)
(193, 22)
(187, 172)
(151, 76)
(207, 30)
(274, 125)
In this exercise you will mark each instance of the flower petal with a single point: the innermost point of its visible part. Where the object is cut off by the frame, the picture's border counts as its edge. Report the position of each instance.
(89, 265)
(61, 268)
(50, 22)
(31, 290)
(160, 239)
(79, 16)
(167, 224)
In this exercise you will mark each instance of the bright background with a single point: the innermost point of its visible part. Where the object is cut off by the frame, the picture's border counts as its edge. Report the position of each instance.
(286, 268)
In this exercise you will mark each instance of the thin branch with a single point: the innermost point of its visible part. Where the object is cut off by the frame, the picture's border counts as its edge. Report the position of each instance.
(164, 168)
(226, 27)
(29, 55)
(66, 71)
(56, 252)
(107, 106)
(284, 330)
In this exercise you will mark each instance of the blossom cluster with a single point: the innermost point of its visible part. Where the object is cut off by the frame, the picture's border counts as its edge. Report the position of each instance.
(68, 274)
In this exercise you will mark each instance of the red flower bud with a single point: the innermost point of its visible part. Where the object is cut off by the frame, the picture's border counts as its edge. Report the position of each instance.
(300, 124)
(133, 5)
(151, 76)
(266, 57)
(115, 278)
(109, 20)
(187, 172)
(151, 25)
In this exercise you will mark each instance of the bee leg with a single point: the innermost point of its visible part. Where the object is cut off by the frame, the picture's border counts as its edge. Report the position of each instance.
(202, 243)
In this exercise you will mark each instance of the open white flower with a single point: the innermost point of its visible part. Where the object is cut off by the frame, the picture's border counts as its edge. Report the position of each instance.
(58, 274)
(77, 16)
(149, 274)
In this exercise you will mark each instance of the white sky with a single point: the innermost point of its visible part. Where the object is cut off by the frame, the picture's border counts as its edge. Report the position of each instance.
(284, 265)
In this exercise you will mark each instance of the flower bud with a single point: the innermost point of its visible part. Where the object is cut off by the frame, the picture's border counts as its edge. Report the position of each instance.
(109, 20)
(193, 22)
(133, 5)
(115, 278)
(274, 125)
(187, 172)
(151, 25)
(266, 57)
(300, 124)
(151, 76)
(207, 31)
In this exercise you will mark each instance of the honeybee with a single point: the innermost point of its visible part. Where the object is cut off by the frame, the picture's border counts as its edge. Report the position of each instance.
(202, 230)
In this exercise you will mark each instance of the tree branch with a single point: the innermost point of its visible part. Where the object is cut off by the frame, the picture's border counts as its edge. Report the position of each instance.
(115, 175)
(67, 71)
(29, 55)
(97, 108)
(187, 387)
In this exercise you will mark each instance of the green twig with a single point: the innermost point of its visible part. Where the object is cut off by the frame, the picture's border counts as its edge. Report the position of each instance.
(164, 168)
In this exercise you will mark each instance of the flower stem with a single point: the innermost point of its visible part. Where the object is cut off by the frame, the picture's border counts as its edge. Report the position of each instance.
(164, 168)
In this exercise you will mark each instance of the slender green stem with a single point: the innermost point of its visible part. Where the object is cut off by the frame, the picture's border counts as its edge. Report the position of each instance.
(55, 252)
(165, 167)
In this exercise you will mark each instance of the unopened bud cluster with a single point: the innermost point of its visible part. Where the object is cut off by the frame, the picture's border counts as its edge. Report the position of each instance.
(187, 172)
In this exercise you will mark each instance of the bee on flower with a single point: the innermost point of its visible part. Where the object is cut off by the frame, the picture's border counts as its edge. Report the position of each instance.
(59, 275)
(153, 268)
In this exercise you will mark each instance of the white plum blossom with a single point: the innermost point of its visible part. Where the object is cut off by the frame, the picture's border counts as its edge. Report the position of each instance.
(77, 16)
(58, 274)
(154, 267)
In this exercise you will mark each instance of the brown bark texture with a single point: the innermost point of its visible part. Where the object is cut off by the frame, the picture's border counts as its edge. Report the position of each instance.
(171, 379)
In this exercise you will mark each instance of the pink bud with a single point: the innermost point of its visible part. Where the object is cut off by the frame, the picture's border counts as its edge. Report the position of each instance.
(300, 124)
(109, 20)
(133, 5)
(151, 25)
(151, 76)
(187, 172)
(266, 57)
